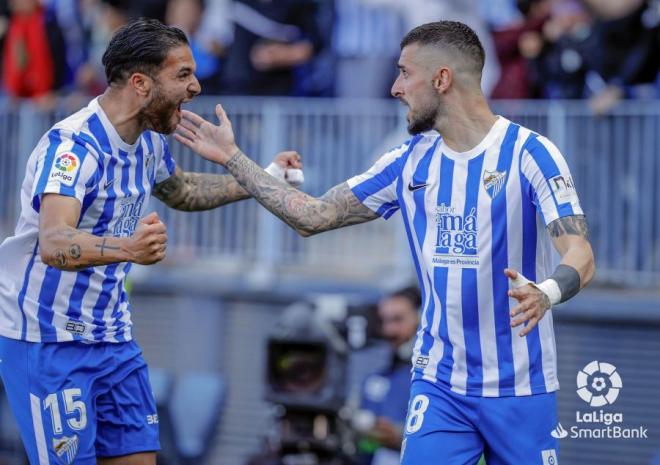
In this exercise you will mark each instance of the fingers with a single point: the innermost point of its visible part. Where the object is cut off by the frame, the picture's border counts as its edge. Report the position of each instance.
(151, 218)
(184, 140)
(222, 116)
(289, 159)
(520, 293)
(194, 118)
(531, 324)
(522, 307)
(185, 132)
(188, 125)
(511, 274)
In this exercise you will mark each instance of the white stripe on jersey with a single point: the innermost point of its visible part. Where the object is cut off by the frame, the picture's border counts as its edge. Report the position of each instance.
(468, 216)
(81, 157)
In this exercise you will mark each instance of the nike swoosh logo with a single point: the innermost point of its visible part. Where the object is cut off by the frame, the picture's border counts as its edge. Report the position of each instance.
(108, 184)
(416, 187)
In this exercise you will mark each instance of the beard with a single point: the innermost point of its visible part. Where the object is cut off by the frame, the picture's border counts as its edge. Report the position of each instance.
(423, 120)
(157, 114)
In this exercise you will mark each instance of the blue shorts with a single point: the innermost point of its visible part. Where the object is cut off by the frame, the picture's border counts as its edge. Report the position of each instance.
(74, 402)
(445, 428)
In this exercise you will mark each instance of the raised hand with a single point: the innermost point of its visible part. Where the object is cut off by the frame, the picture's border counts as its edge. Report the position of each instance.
(148, 243)
(213, 142)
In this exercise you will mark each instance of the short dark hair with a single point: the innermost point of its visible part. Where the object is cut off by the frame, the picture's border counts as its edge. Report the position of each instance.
(140, 46)
(411, 294)
(452, 35)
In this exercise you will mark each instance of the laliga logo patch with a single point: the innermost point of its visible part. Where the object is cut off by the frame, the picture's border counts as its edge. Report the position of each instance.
(493, 182)
(65, 168)
(599, 384)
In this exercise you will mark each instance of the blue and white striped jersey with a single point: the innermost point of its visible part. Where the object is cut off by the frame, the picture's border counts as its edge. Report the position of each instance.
(82, 157)
(468, 216)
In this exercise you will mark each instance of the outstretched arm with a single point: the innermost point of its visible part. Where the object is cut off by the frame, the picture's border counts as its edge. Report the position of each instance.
(306, 214)
(198, 191)
(189, 191)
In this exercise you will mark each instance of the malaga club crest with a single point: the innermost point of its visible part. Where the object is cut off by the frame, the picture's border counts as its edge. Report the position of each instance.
(493, 182)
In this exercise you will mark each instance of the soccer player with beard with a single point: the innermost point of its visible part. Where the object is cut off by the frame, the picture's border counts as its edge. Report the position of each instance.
(76, 381)
(483, 202)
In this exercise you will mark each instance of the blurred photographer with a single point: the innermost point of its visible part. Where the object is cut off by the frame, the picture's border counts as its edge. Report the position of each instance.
(384, 395)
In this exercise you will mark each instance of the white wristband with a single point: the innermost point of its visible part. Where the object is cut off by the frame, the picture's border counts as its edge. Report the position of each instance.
(276, 171)
(295, 177)
(550, 288)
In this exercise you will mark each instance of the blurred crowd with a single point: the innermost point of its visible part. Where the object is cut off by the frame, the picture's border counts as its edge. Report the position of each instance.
(603, 50)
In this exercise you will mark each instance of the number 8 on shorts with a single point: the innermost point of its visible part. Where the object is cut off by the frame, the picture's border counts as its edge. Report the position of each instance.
(418, 406)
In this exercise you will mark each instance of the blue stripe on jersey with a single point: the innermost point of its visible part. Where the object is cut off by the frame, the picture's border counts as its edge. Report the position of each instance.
(529, 237)
(87, 202)
(549, 168)
(21, 294)
(420, 176)
(469, 291)
(386, 176)
(500, 260)
(117, 313)
(77, 293)
(387, 209)
(167, 156)
(96, 127)
(46, 298)
(109, 207)
(55, 140)
(109, 282)
(150, 147)
(440, 274)
(406, 223)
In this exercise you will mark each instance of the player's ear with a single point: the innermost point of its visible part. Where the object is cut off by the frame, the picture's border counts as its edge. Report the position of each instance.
(141, 83)
(442, 78)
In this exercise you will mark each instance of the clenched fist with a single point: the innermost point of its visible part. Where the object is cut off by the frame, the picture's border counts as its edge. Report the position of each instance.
(148, 244)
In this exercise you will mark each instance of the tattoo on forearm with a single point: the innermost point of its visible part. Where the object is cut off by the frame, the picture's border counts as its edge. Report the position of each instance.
(103, 246)
(574, 225)
(308, 215)
(60, 257)
(199, 191)
(74, 251)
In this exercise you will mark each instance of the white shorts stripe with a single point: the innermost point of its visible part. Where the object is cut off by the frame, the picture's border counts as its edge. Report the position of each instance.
(39, 436)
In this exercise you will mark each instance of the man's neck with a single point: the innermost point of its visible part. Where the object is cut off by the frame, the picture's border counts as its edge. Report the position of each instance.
(122, 113)
(464, 124)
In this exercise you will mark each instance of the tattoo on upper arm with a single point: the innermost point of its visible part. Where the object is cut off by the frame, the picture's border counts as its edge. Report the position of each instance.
(575, 225)
(308, 215)
(198, 191)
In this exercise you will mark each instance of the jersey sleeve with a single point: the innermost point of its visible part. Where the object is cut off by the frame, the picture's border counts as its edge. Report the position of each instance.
(166, 164)
(64, 166)
(551, 185)
(376, 187)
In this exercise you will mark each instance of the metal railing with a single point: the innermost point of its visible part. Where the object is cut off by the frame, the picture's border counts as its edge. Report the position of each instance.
(614, 160)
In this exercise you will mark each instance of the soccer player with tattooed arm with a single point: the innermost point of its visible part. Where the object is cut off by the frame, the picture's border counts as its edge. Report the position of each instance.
(75, 378)
(483, 201)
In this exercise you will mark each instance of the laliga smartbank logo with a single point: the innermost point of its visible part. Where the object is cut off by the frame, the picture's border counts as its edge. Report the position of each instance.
(599, 385)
